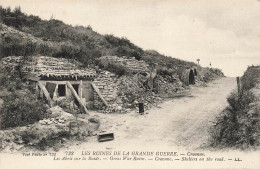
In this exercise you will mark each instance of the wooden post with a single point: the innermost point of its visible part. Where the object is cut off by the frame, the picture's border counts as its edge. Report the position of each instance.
(238, 86)
(80, 89)
(141, 108)
(76, 96)
(36, 88)
(46, 94)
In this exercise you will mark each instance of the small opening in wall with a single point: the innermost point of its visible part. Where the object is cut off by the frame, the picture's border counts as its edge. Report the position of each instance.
(61, 90)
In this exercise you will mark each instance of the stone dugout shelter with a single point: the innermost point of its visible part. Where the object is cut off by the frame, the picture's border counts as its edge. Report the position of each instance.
(67, 83)
(59, 80)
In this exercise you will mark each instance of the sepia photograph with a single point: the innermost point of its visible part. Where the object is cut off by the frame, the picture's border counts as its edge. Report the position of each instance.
(131, 84)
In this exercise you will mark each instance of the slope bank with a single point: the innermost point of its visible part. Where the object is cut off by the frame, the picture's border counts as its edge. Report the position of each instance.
(238, 126)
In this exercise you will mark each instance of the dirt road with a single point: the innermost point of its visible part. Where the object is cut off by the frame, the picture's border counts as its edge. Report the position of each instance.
(182, 122)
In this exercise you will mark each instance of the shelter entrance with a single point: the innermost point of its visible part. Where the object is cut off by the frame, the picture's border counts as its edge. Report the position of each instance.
(191, 77)
(61, 90)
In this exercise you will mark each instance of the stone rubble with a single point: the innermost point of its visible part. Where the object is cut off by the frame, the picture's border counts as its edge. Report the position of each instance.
(58, 116)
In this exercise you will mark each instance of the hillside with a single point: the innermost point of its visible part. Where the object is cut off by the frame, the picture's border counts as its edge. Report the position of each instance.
(52, 73)
(55, 38)
(32, 38)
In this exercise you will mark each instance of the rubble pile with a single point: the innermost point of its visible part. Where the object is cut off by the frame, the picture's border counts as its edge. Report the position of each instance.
(58, 116)
(51, 132)
(51, 121)
(116, 109)
(11, 62)
(130, 64)
(132, 91)
(149, 100)
(129, 90)
(65, 103)
(163, 86)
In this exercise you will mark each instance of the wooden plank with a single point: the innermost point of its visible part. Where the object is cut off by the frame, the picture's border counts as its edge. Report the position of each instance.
(46, 93)
(99, 94)
(238, 86)
(80, 89)
(76, 96)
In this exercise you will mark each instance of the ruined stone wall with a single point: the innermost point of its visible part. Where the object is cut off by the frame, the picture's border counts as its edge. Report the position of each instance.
(11, 62)
(44, 65)
(56, 66)
(106, 83)
(98, 104)
(130, 64)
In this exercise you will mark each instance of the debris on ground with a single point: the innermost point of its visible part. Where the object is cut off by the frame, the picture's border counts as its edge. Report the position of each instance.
(105, 137)
(47, 133)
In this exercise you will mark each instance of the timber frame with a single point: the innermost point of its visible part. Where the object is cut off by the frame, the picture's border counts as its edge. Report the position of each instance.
(41, 88)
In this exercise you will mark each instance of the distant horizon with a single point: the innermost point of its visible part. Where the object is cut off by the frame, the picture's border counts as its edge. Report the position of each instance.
(225, 34)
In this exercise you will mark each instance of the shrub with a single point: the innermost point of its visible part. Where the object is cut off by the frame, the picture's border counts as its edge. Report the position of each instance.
(250, 78)
(53, 140)
(167, 74)
(136, 55)
(21, 106)
(224, 132)
(238, 126)
(3, 81)
(164, 72)
(239, 103)
(117, 69)
(20, 109)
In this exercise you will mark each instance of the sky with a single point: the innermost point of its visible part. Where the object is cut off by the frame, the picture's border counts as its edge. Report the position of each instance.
(225, 33)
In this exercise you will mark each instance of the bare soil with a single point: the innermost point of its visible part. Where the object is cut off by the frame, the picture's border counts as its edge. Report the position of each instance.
(182, 122)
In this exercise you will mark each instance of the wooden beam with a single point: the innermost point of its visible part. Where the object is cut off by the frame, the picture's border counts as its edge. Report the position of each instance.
(46, 94)
(238, 86)
(80, 89)
(99, 94)
(76, 96)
